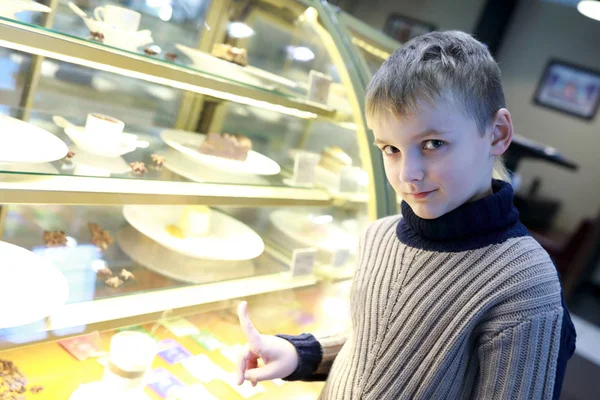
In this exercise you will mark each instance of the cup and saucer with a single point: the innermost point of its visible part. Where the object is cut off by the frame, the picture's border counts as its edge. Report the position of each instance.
(102, 135)
(117, 25)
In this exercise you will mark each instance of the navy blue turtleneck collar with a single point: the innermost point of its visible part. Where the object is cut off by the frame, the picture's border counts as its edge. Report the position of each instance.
(473, 225)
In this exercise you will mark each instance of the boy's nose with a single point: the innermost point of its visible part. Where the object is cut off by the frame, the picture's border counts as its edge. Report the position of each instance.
(411, 170)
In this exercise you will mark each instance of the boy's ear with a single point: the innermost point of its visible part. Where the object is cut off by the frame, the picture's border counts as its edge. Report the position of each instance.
(502, 132)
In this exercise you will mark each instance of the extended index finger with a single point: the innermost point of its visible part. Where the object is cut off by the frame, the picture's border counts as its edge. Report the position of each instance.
(252, 334)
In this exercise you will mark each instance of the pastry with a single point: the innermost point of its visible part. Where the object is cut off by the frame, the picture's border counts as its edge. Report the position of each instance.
(12, 382)
(114, 282)
(55, 238)
(334, 159)
(194, 221)
(170, 56)
(138, 167)
(126, 275)
(70, 154)
(150, 52)
(158, 160)
(226, 145)
(229, 53)
(101, 238)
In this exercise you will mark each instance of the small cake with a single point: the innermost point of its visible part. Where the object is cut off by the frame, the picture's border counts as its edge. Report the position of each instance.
(334, 159)
(229, 53)
(158, 160)
(226, 145)
(194, 221)
(55, 238)
(126, 275)
(138, 167)
(100, 238)
(114, 282)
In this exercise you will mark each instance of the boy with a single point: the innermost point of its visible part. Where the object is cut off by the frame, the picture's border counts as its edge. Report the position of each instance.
(455, 299)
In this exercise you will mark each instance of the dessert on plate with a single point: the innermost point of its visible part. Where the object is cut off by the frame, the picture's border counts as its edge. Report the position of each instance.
(334, 159)
(226, 145)
(229, 53)
(193, 222)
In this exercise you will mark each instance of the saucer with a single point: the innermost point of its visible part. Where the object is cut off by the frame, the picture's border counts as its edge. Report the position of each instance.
(95, 144)
(121, 39)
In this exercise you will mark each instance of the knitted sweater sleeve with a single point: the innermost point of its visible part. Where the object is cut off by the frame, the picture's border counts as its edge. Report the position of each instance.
(316, 355)
(520, 362)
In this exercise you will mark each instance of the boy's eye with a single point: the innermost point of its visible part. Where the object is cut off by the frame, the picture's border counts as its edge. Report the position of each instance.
(432, 144)
(389, 150)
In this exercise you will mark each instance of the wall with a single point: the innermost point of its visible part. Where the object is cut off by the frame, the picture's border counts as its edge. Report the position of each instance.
(539, 31)
(444, 14)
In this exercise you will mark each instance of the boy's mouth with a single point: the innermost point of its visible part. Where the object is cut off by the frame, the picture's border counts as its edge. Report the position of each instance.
(420, 195)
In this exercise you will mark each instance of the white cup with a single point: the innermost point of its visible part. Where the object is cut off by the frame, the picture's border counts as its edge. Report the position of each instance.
(129, 361)
(118, 17)
(104, 129)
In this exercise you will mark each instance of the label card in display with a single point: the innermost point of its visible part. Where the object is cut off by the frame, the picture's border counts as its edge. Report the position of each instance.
(303, 262)
(340, 258)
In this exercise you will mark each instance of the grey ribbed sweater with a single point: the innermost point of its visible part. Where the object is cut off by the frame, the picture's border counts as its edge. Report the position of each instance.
(481, 323)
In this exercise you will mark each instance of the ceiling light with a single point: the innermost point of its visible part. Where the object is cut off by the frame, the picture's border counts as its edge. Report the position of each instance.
(239, 30)
(590, 8)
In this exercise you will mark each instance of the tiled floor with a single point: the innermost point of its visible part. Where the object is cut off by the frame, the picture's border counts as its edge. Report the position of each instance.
(582, 381)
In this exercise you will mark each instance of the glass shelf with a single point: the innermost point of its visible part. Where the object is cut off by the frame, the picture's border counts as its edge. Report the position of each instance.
(152, 290)
(48, 43)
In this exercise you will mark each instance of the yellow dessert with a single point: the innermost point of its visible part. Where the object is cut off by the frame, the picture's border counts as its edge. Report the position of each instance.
(334, 159)
(194, 221)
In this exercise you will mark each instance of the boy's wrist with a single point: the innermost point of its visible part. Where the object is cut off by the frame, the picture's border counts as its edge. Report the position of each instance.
(309, 354)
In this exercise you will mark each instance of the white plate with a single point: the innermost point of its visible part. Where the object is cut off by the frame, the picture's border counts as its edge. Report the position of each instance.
(95, 145)
(185, 142)
(8, 8)
(22, 142)
(227, 239)
(186, 167)
(296, 226)
(31, 287)
(215, 66)
(159, 259)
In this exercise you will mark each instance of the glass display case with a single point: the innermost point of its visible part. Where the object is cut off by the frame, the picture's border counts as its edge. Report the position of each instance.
(372, 47)
(163, 160)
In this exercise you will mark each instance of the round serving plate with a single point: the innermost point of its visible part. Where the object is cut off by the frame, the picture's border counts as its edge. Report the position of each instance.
(227, 239)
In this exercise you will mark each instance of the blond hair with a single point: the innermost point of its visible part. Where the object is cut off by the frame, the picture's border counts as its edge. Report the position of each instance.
(450, 65)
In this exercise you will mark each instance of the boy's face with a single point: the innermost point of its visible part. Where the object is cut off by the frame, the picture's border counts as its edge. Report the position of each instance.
(435, 160)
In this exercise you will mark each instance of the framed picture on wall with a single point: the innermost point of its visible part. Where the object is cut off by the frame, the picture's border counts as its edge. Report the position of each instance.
(402, 28)
(569, 88)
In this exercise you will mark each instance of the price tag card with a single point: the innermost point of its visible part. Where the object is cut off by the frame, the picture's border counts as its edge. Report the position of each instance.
(303, 262)
(305, 167)
(340, 258)
(318, 87)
